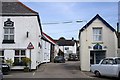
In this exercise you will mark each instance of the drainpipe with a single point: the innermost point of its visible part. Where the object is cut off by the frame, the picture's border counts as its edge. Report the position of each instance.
(117, 27)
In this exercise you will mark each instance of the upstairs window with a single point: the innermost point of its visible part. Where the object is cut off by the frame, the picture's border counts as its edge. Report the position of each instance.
(8, 31)
(97, 34)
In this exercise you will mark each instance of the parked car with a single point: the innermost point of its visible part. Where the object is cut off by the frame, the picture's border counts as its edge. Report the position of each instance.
(5, 68)
(59, 59)
(1, 75)
(73, 57)
(107, 67)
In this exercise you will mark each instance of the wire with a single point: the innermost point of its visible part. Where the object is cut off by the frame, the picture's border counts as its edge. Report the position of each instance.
(64, 31)
(64, 22)
(49, 23)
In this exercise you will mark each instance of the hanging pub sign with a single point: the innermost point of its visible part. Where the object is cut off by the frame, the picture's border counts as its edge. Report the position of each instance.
(30, 46)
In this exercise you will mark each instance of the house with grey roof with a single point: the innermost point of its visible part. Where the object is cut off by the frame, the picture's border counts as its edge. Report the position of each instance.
(20, 34)
(49, 48)
(98, 40)
(66, 47)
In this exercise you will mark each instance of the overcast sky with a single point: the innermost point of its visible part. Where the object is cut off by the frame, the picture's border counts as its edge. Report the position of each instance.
(59, 12)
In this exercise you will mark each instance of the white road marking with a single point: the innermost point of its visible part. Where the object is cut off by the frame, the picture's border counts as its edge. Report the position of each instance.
(7, 75)
(33, 73)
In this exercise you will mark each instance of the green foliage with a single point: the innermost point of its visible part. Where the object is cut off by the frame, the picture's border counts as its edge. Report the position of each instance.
(26, 61)
(9, 62)
(26, 69)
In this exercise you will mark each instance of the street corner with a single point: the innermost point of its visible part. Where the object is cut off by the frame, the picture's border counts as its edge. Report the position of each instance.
(89, 74)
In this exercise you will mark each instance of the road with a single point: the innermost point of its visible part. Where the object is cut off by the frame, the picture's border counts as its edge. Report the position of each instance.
(69, 69)
(60, 70)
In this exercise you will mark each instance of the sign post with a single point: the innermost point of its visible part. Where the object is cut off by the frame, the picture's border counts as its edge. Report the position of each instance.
(30, 46)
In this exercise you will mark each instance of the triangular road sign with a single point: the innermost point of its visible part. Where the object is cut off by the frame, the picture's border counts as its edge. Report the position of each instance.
(30, 46)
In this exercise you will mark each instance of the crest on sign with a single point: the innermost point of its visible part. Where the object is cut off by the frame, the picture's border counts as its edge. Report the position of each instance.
(30, 46)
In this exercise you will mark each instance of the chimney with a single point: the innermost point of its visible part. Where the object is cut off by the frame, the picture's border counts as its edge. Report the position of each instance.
(72, 38)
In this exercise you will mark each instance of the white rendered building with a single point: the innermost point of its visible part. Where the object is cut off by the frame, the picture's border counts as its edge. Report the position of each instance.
(19, 26)
(97, 40)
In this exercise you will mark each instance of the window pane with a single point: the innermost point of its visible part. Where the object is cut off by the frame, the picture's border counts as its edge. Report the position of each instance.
(11, 37)
(1, 59)
(11, 31)
(100, 38)
(1, 53)
(16, 52)
(105, 61)
(117, 60)
(5, 37)
(23, 52)
(16, 59)
(6, 31)
(100, 32)
(110, 61)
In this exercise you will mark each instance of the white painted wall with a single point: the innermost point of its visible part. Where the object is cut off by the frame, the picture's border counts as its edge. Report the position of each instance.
(46, 46)
(86, 39)
(56, 50)
(72, 49)
(22, 24)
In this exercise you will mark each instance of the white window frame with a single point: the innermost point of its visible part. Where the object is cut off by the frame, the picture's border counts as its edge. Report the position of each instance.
(97, 35)
(20, 56)
(9, 34)
(2, 56)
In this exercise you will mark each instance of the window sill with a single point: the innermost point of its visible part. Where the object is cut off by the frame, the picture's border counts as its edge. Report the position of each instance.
(8, 42)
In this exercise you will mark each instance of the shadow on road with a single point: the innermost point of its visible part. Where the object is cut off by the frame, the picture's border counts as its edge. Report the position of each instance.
(73, 66)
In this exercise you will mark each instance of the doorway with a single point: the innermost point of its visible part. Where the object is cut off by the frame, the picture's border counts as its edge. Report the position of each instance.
(96, 56)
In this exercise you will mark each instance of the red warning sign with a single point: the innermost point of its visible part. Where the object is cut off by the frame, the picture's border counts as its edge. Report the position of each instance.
(30, 46)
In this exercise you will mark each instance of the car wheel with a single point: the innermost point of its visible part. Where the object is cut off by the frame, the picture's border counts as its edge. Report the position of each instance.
(97, 73)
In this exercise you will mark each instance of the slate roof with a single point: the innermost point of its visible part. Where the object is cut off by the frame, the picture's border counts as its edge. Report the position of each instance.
(101, 19)
(43, 37)
(63, 42)
(15, 8)
(48, 37)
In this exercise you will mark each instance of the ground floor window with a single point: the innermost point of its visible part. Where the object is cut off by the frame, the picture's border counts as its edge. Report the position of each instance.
(96, 56)
(19, 55)
(1, 56)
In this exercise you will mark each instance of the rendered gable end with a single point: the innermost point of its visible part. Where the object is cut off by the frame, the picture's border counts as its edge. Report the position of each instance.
(87, 43)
